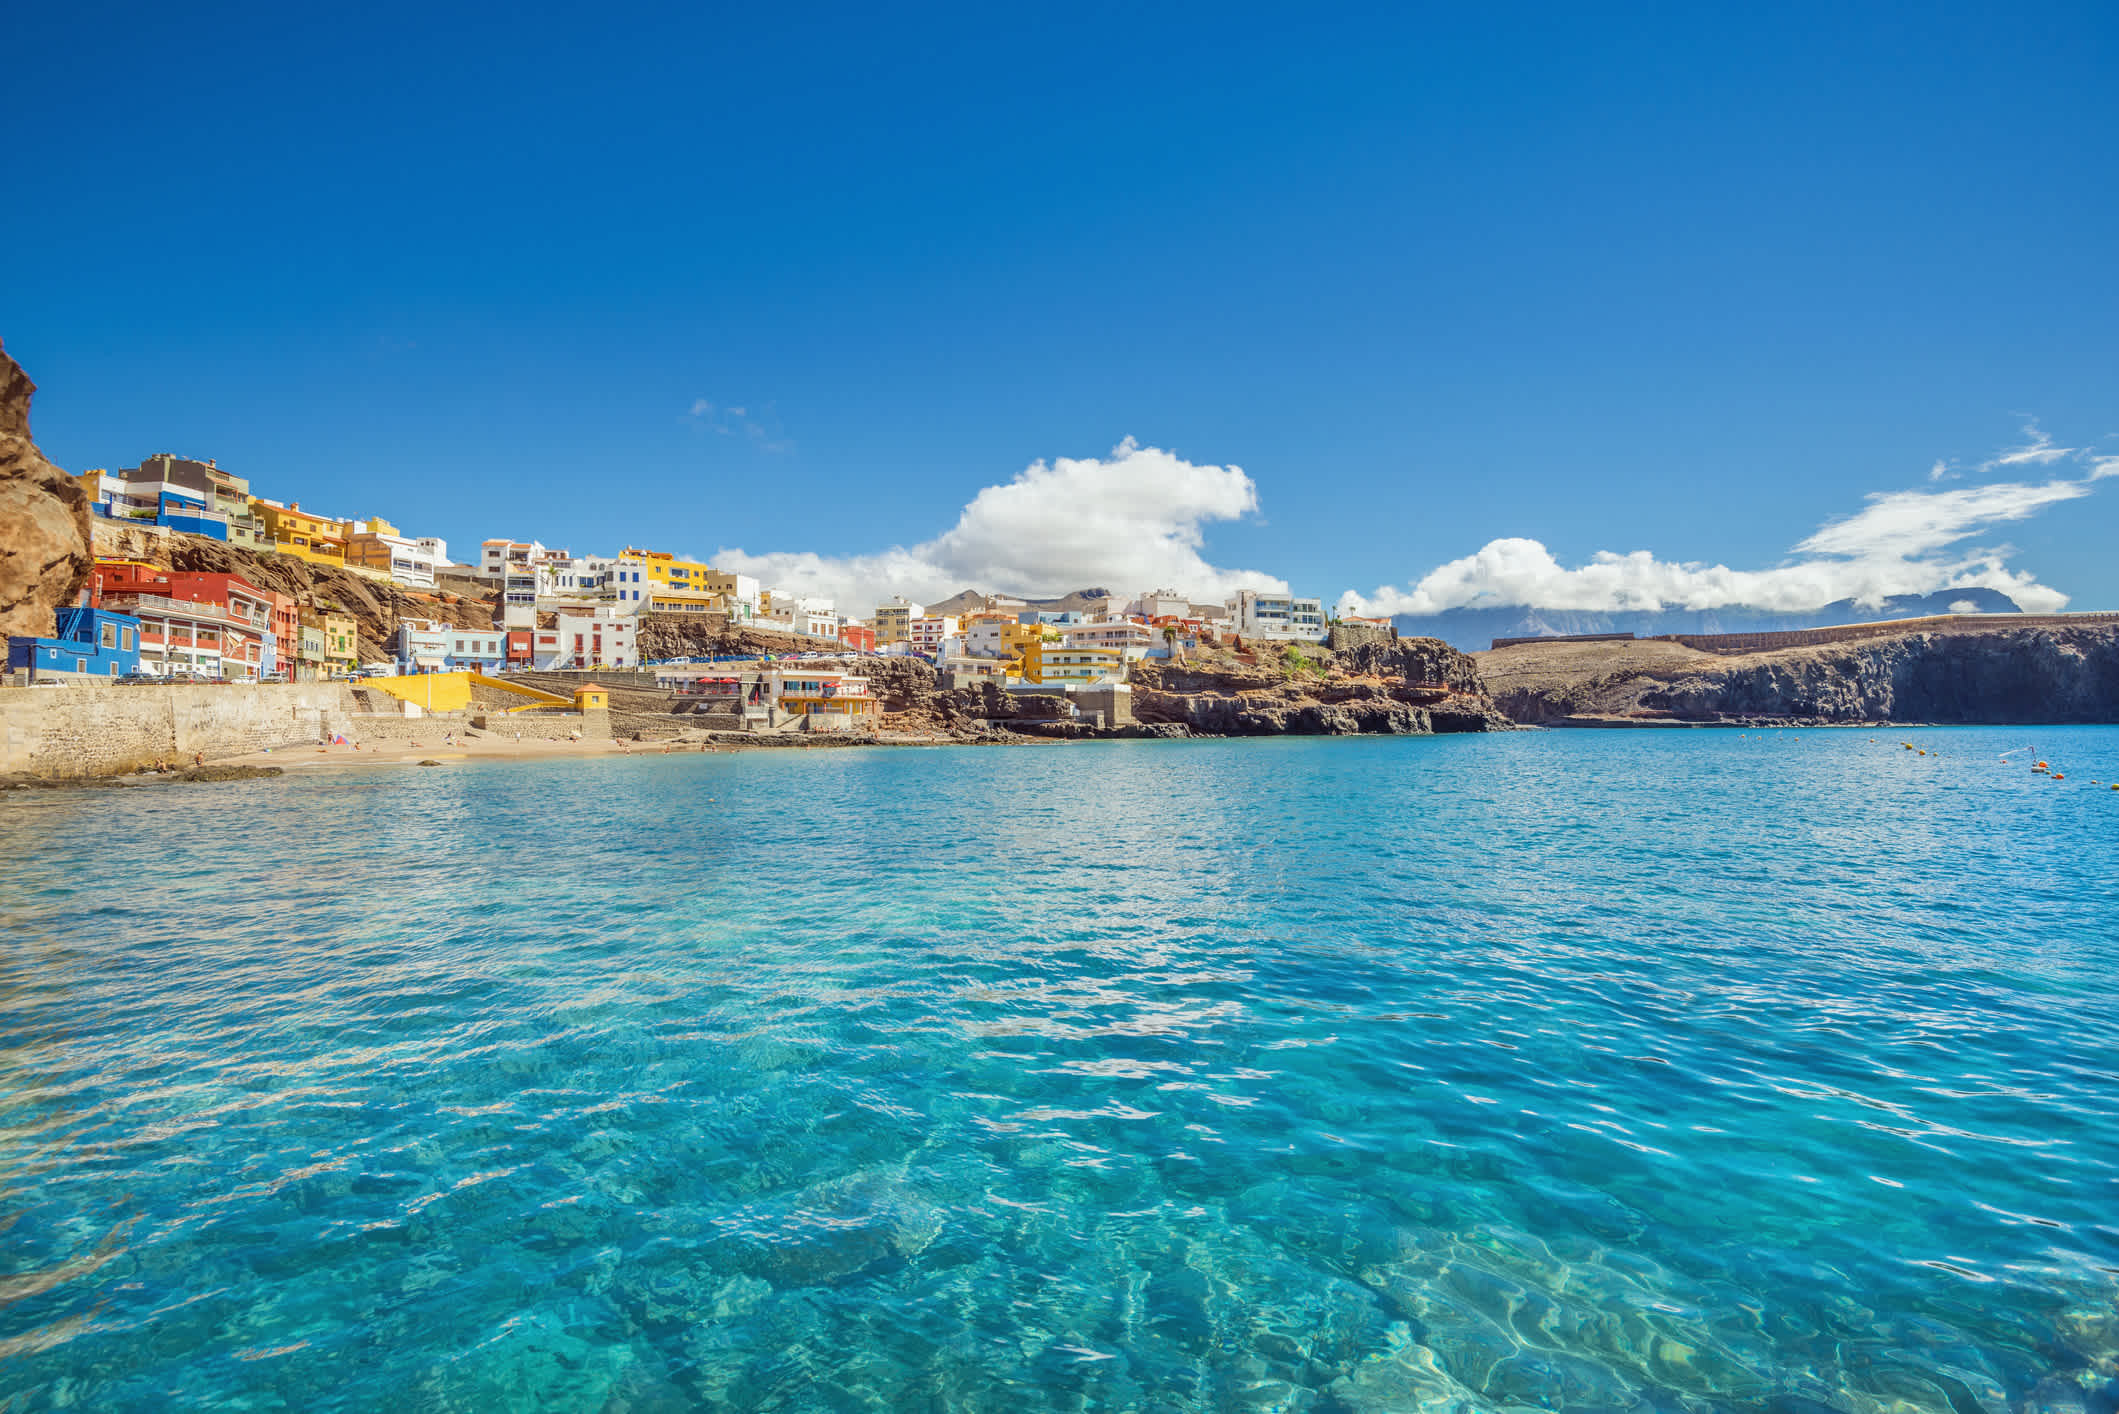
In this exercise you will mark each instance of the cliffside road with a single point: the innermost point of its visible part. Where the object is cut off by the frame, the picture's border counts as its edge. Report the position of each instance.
(1976, 673)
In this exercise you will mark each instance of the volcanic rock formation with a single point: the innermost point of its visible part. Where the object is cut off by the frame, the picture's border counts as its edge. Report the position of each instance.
(1975, 674)
(44, 526)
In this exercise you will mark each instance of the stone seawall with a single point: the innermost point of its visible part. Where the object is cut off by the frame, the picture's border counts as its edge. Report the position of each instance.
(104, 731)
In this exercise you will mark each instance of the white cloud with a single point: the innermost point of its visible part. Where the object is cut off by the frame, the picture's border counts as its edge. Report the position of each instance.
(1901, 542)
(736, 422)
(2039, 451)
(1131, 521)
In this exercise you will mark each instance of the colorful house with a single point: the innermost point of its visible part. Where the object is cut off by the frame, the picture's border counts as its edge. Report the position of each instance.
(214, 624)
(859, 637)
(1047, 663)
(88, 645)
(293, 531)
(828, 699)
(341, 643)
(421, 646)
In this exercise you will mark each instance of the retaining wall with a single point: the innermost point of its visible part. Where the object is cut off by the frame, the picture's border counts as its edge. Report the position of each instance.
(103, 731)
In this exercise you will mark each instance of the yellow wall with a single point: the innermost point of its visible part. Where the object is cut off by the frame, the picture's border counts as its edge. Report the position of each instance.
(439, 692)
(306, 537)
(670, 572)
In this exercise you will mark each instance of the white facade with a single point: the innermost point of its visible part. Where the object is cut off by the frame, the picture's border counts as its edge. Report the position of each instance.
(989, 638)
(575, 577)
(434, 548)
(494, 556)
(928, 630)
(591, 638)
(1256, 613)
(800, 614)
(1163, 603)
(411, 563)
(1132, 640)
(627, 586)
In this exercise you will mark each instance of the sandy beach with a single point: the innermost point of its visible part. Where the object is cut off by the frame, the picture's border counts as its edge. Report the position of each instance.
(461, 748)
(446, 747)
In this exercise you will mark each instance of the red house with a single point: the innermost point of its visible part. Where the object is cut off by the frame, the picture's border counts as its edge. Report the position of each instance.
(210, 623)
(519, 650)
(859, 637)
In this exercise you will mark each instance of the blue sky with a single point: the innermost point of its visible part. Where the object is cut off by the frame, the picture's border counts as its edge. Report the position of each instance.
(1691, 281)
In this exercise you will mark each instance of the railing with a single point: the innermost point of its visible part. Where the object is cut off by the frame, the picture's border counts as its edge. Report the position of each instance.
(191, 608)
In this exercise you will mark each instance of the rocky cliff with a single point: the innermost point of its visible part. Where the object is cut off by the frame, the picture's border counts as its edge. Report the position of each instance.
(1978, 675)
(44, 519)
(1402, 687)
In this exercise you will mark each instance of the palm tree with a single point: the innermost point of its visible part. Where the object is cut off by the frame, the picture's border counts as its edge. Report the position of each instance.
(1171, 636)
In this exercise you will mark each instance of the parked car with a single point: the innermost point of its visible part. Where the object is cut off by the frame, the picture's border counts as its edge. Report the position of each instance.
(138, 680)
(49, 682)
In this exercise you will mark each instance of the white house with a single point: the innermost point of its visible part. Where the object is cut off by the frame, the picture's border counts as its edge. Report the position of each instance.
(587, 638)
(1162, 603)
(800, 614)
(1257, 613)
(927, 631)
(1131, 640)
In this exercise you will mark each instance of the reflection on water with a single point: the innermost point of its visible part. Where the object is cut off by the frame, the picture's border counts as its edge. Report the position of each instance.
(1539, 1072)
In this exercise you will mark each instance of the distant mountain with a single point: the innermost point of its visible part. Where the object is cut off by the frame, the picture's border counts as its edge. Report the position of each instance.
(1471, 630)
(966, 600)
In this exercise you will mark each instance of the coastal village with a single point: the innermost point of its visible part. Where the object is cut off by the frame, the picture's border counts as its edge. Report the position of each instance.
(263, 624)
(139, 620)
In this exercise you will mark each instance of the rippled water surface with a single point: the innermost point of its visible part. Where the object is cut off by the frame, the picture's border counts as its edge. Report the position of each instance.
(1594, 1071)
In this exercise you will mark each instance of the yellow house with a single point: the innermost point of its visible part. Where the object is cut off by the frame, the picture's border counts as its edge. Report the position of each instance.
(592, 697)
(668, 572)
(290, 531)
(669, 585)
(341, 643)
(1044, 662)
(894, 621)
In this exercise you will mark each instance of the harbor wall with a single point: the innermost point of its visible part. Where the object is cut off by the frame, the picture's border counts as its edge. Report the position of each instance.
(108, 730)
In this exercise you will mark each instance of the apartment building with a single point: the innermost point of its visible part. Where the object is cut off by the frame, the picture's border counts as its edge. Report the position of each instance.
(1257, 613)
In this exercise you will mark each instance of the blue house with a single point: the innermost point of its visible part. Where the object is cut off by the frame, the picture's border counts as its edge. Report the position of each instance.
(191, 515)
(91, 644)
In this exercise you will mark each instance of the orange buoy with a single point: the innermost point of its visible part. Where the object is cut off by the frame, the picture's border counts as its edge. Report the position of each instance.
(2059, 775)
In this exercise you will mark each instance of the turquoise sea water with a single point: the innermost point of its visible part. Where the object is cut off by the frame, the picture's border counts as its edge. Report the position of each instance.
(1627, 1071)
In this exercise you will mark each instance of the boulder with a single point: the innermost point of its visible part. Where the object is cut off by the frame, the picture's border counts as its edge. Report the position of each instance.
(45, 557)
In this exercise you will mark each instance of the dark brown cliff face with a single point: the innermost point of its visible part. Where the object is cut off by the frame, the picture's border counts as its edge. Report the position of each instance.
(1409, 687)
(2036, 675)
(45, 557)
(1986, 675)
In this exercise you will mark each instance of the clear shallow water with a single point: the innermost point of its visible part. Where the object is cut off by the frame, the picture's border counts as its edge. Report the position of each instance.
(1546, 1071)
